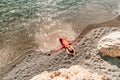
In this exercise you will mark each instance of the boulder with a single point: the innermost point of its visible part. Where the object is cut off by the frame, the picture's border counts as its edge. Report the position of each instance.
(75, 72)
(110, 44)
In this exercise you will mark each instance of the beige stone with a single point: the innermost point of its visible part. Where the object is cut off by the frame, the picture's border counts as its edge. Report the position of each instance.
(110, 44)
(73, 73)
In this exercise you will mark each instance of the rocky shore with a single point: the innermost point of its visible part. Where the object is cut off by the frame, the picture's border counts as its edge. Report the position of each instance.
(73, 73)
(88, 56)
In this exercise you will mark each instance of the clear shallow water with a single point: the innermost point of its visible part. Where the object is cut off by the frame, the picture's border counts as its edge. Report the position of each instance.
(42, 21)
(52, 18)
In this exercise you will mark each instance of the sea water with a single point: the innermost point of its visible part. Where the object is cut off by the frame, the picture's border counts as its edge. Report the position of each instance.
(45, 20)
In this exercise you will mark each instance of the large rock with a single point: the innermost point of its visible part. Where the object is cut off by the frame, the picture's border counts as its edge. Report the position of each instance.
(73, 73)
(110, 44)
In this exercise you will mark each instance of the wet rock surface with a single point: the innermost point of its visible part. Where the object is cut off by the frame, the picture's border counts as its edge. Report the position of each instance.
(87, 56)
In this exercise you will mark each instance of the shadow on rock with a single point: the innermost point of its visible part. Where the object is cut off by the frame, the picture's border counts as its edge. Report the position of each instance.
(112, 60)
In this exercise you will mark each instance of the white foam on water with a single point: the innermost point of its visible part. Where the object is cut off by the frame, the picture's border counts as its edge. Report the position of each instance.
(47, 37)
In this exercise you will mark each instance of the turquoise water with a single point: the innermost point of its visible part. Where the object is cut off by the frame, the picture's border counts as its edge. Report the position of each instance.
(11, 10)
(43, 21)
(20, 17)
(51, 18)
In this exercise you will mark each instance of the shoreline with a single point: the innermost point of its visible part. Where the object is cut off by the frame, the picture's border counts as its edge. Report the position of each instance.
(37, 62)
